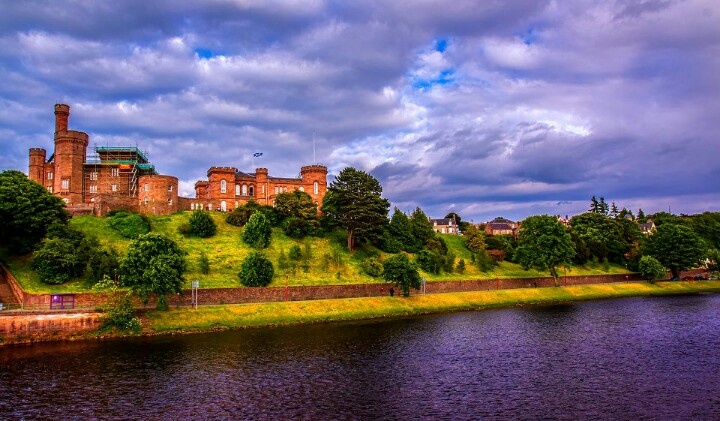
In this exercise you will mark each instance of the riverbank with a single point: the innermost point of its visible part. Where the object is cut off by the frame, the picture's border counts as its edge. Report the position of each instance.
(222, 317)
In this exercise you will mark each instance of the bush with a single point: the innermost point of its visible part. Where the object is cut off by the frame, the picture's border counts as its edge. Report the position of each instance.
(120, 316)
(256, 271)
(496, 255)
(240, 215)
(372, 266)
(202, 224)
(296, 227)
(429, 262)
(295, 252)
(460, 267)
(129, 225)
(651, 269)
(400, 271)
(204, 263)
(257, 231)
(483, 261)
(56, 261)
(101, 262)
(449, 262)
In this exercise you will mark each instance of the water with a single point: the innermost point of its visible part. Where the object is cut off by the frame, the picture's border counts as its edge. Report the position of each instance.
(640, 358)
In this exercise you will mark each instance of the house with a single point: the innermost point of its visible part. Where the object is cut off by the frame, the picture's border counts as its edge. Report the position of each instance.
(648, 227)
(445, 226)
(501, 226)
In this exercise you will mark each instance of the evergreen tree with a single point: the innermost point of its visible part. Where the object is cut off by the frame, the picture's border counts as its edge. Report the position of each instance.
(422, 228)
(594, 208)
(614, 210)
(257, 231)
(400, 230)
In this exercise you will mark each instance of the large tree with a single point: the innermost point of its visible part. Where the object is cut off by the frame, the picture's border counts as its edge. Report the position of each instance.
(422, 228)
(597, 235)
(354, 202)
(677, 247)
(295, 204)
(154, 264)
(399, 233)
(26, 211)
(543, 243)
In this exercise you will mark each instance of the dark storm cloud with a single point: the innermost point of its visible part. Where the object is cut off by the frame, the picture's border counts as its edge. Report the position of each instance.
(484, 108)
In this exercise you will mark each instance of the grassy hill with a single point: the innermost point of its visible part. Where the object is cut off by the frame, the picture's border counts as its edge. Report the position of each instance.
(331, 263)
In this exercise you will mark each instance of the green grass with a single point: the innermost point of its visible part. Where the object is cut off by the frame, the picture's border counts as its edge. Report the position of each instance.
(297, 312)
(226, 252)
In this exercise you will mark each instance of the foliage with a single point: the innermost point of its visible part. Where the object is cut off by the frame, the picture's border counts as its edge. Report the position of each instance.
(676, 247)
(496, 255)
(474, 239)
(543, 243)
(56, 261)
(504, 243)
(282, 261)
(483, 261)
(457, 220)
(398, 235)
(202, 225)
(400, 271)
(154, 264)
(295, 252)
(354, 202)
(449, 262)
(296, 204)
(460, 266)
(129, 225)
(429, 261)
(26, 212)
(372, 266)
(597, 235)
(599, 207)
(101, 261)
(204, 263)
(421, 228)
(651, 269)
(256, 271)
(119, 312)
(299, 227)
(240, 215)
(257, 231)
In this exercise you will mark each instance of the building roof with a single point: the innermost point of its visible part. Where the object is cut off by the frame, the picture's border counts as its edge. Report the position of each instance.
(500, 226)
(501, 220)
(441, 221)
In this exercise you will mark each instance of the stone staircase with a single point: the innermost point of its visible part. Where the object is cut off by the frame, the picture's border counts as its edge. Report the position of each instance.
(6, 295)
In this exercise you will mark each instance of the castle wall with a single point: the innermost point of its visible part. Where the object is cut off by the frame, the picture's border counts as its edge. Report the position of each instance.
(157, 194)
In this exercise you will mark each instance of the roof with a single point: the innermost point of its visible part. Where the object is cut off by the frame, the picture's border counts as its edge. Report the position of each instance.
(501, 220)
(500, 226)
(244, 174)
(441, 221)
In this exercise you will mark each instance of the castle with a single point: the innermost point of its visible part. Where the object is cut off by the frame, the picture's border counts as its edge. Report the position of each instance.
(124, 178)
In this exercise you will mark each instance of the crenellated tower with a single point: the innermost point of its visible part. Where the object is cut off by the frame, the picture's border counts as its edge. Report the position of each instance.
(69, 157)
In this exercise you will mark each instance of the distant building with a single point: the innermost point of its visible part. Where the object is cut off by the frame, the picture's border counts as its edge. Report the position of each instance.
(445, 226)
(501, 226)
(648, 227)
(118, 177)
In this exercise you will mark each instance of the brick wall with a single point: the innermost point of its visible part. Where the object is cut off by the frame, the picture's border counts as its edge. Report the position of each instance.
(158, 194)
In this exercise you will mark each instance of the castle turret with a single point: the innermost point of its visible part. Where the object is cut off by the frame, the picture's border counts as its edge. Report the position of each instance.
(314, 180)
(62, 114)
(261, 186)
(36, 170)
(70, 151)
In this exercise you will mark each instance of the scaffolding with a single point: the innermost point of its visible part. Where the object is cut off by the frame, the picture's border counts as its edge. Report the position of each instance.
(130, 162)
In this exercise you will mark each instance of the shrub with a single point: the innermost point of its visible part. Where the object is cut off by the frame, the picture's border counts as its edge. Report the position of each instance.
(399, 270)
(372, 266)
(120, 316)
(101, 262)
(295, 227)
(202, 224)
(449, 262)
(651, 269)
(257, 231)
(129, 225)
(483, 261)
(240, 215)
(496, 255)
(204, 263)
(429, 262)
(460, 267)
(56, 261)
(295, 252)
(256, 271)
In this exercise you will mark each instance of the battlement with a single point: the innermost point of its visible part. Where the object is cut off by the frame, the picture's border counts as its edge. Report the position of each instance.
(37, 152)
(314, 168)
(221, 170)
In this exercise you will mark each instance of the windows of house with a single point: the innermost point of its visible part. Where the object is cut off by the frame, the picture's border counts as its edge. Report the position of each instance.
(49, 188)
(301, 188)
(93, 189)
(146, 186)
(94, 176)
(316, 187)
(170, 202)
(244, 190)
(277, 189)
(223, 206)
(114, 172)
(65, 184)
(171, 187)
(113, 187)
(50, 176)
(237, 190)
(146, 201)
(210, 206)
(223, 186)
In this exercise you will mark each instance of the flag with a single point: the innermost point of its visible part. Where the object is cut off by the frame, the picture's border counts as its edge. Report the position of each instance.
(256, 154)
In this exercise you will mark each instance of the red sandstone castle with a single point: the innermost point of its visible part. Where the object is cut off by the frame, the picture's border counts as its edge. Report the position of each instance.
(124, 178)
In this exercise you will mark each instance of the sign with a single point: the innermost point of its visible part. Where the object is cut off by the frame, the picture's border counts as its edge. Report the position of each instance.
(196, 284)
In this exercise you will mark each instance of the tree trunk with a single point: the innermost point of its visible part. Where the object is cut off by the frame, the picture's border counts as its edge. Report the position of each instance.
(350, 241)
(553, 272)
(675, 273)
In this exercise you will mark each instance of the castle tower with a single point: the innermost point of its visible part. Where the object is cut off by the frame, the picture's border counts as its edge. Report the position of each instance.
(36, 172)
(70, 152)
(261, 186)
(314, 180)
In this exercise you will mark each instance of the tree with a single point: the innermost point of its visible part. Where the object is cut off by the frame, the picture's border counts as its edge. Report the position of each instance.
(400, 232)
(257, 231)
(421, 228)
(56, 261)
(594, 208)
(202, 224)
(544, 244)
(474, 239)
(651, 269)
(597, 235)
(154, 264)
(204, 263)
(26, 212)
(295, 204)
(676, 247)
(256, 271)
(354, 202)
(462, 225)
(614, 212)
(400, 271)
(240, 215)
(129, 225)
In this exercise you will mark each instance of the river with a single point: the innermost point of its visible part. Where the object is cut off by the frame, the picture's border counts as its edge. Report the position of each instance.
(634, 359)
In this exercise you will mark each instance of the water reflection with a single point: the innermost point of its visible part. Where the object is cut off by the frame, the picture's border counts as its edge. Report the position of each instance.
(632, 358)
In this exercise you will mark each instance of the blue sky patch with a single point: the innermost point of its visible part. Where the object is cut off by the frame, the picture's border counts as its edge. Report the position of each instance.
(204, 53)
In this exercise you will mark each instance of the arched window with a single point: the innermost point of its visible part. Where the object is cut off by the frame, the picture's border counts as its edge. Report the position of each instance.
(210, 206)
(223, 206)
(315, 187)
(251, 191)
(223, 186)
(301, 188)
(237, 190)
(244, 190)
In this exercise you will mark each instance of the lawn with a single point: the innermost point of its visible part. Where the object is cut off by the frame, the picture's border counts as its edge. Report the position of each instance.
(330, 262)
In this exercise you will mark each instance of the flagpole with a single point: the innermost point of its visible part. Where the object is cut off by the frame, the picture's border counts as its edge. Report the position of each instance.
(314, 158)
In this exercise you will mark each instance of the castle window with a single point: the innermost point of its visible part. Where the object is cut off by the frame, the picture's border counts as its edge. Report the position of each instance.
(244, 190)
(236, 204)
(284, 189)
(49, 188)
(277, 189)
(93, 189)
(210, 206)
(301, 188)
(223, 186)
(50, 176)
(146, 187)
(146, 200)
(93, 176)
(237, 190)
(65, 184)
(114, 172)
(169, 201)
(316, 187)
(263, 189)
(251, 190)
(223, 206)
(170, 187)
(113, 187)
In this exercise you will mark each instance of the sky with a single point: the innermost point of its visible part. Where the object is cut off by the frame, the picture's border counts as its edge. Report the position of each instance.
(483, 108)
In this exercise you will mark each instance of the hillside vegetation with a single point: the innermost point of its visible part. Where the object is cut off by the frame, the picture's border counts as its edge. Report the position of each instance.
(330, 261)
